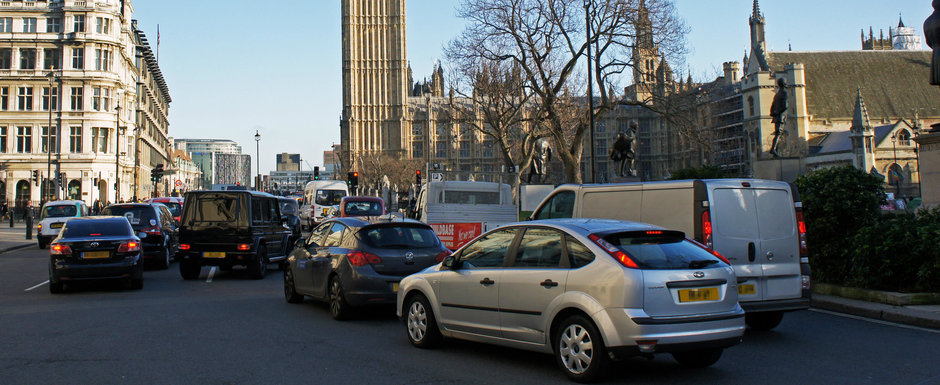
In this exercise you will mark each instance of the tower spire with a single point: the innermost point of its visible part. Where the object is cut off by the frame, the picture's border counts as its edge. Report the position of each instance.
(756, 12)
(860, 120)
(900, 21)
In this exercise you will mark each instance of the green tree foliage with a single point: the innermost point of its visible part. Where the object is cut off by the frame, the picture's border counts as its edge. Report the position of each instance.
(898, 252)
(837, 203)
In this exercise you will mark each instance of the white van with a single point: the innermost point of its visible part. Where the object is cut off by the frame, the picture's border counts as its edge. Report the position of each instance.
(320, 196)
(53, 216)
(461, 210)
(756, 224)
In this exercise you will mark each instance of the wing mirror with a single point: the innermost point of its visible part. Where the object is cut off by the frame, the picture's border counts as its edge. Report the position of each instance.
(451, 263)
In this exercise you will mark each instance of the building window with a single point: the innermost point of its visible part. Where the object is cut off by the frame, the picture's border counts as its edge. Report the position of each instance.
(29, 24)
(441, 149)
(4, 98)
(441, 129)
(24, 140)
(53, 59)
(27, 59)
(78, 58)
(53, 25)
(6, 58)
(103, 25)
(77, 104)
(904, 138)
(750, 106)
(488, 148)
(6, 24)
(601, 126)
(464, 149)
(417, 150)
(3, 139)
(75, 140)
(96, 100)
(46, 105)
(600, 149)
(417, 128)
(24, 98)
(78, 24)
(46, 139)
(99, 138)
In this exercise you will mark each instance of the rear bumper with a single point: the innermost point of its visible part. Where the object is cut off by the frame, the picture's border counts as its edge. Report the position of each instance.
(794, 304)
(622, 352)
(370, 288)
(62, 270)
(628, 326)
(232, 258)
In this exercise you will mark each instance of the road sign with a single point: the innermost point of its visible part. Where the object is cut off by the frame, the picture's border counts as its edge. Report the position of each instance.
(179, 183)
(437, 177)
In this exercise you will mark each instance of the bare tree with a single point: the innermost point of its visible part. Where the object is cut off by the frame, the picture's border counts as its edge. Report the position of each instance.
(400, 171)
(547, 40)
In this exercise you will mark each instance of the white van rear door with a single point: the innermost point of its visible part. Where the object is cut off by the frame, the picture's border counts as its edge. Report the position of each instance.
(779, 249)
(736, 234)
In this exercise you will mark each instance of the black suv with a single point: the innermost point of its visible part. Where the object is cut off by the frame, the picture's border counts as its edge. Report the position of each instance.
(155, 226)
(229, 228)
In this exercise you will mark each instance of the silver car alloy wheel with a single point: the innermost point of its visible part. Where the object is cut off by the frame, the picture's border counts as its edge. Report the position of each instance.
(576, 348)
(417, 321)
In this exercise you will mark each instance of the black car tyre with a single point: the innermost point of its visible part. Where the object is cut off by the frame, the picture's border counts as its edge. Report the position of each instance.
(420, 323)
(763, 321)
(698, 358)
(579, 349)
(189, 270)
(42, 245)
(339, 308)
(290, 294)
(56, 287)
(163, 261)
(259, 267)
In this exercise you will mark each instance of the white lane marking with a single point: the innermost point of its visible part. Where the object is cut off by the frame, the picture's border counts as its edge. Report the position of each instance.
(877, 321)
(47, 281)
(211, 274)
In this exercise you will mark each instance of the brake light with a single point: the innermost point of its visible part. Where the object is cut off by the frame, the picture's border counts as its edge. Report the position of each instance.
(129, 247)
(615, 252)
(654, 233)
(440, 257)
(58, 249)
(801, 225)
(707, 229)
(39, 227)
(244, 247)
(362, 258)
(152, 230)
(184, 246)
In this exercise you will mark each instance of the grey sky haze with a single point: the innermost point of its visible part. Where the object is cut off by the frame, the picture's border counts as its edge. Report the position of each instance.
(237, 66)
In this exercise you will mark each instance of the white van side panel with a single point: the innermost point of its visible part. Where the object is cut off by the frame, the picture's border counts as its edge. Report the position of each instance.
(618, 204)
(670, 208)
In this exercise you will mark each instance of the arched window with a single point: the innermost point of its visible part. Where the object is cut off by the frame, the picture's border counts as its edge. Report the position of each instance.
(904, 138)
(750, 106)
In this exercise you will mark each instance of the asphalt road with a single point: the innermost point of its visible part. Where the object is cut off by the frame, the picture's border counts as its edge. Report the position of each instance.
(235, 330)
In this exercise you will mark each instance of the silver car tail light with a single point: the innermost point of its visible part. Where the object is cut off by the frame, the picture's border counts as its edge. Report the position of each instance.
(614, 251)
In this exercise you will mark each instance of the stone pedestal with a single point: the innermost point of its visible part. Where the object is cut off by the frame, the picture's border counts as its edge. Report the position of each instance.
(929, 167)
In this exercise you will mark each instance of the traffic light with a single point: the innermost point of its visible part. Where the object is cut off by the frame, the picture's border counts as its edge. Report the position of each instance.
(352, 179)
(61, 179)
(316, 173)
(418, 177)
(36, 177)
(156, 173)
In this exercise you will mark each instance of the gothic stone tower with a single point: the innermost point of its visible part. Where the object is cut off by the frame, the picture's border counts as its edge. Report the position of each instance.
(375, 76)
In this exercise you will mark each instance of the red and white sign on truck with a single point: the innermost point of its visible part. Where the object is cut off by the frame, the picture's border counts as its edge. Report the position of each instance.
(459, 211)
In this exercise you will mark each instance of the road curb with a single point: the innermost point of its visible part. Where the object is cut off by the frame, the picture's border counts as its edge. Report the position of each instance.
(17, 247)
(878, 311)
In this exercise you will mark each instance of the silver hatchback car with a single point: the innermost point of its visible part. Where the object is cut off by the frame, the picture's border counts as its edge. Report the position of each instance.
(586, 290)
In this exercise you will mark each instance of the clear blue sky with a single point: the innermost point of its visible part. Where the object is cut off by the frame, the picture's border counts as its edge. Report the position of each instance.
(237, 66)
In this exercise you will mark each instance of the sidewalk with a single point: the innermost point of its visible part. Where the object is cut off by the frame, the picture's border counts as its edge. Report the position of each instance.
(15, 238)
(926, 316)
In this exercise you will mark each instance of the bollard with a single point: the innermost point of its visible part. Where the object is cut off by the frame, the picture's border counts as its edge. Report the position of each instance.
(11, 220)
(29, 227)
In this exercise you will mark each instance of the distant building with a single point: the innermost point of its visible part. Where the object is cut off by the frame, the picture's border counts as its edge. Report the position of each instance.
(220, 160)
(902, 38)
(186, 172)
(288, 162)
(331, 163)
(289, 181)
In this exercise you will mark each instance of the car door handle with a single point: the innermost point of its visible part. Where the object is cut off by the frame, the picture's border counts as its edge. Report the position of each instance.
(751, 252)
(487, 281)
(549, 283)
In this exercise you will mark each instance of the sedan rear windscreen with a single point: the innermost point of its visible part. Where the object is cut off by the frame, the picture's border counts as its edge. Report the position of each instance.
(363, 208)
(138, 216)
(400, 237)
(662, 250)
(59, 211)
(96, 228)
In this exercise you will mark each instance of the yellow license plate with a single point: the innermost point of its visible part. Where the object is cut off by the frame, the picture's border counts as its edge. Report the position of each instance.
(57, 225)
(395, 287)
(747, 289)
(96, 255)
(213, 254)
(698, 295)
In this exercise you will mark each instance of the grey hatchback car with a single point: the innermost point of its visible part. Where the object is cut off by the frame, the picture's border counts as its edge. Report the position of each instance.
(354, 262)
(585, 290)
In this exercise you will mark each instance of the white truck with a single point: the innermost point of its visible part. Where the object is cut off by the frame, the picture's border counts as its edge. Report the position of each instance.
(320, 198)
(459, 211)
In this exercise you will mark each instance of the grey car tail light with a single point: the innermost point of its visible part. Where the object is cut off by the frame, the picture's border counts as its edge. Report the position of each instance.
(614, 251)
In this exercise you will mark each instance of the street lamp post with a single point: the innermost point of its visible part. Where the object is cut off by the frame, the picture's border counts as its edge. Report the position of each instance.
(258, 160)
(590, 95)
(117, 152)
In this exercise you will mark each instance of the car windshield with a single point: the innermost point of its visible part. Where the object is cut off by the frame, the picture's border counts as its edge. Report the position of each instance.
(329, 197)
(175, 208)
(138, 216)
(363, 208)
(110, 227)
(58, 211)
(216, 207)
(662, 250)
(288, 207)
(400, 236)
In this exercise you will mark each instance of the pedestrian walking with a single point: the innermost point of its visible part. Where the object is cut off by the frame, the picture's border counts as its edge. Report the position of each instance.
(4, 211)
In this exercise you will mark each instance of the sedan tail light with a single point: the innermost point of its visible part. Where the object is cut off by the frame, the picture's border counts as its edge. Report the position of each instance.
(129, 247)
(58, 249)
(152, 231)
(184, 246)
(615, 252)
(244, 247)
(440, 257)
(362, 258)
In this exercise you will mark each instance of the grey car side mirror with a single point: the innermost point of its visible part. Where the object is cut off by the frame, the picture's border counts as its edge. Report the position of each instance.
(451, 263)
